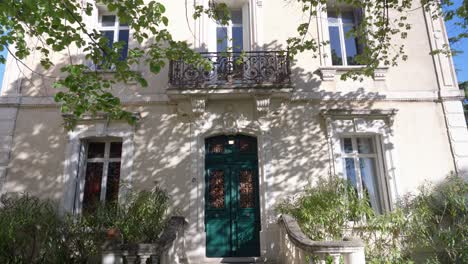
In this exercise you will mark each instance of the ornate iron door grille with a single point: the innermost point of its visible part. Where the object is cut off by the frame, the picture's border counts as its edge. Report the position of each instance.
(244, 69)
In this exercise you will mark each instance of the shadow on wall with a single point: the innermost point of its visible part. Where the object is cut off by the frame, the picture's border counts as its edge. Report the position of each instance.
(299, 148)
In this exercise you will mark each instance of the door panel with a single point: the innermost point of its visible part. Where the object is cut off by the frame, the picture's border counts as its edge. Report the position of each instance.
(218, 215)
(232, 213)
(246, 215)
(218, 243)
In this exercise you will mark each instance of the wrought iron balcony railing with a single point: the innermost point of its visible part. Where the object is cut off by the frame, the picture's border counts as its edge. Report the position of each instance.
(234, 69)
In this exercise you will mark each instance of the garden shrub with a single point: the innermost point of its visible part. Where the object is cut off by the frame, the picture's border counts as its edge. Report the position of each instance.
(438, 222)
(430, 227)
(32, 231)
(140, 220)
(332, 210)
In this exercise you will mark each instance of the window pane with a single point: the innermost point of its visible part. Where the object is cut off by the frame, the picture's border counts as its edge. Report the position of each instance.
(123, 36)
(369, 181)
(236, 17)
(347, 17)
(350, 170)
(335, 45)
(222, 39)
(216, 191)
(237, 39)
(350, 44)
(115, 150)
(365, 146)
(113, 179)
(246, 189)
(96, 150)
(108, 21)
(347, 145)
(109, 34)
(92, 189)
(216, 145)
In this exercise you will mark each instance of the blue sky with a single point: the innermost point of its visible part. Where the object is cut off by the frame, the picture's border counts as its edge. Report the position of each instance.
(2, 68)
(461, 60)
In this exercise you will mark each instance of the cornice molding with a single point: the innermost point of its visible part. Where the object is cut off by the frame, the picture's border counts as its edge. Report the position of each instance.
(98, 116)
(384, 96)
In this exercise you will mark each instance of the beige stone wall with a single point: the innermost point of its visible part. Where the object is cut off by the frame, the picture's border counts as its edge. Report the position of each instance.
(37, 154)
(162, 155)
(293, 147)
(162, 151)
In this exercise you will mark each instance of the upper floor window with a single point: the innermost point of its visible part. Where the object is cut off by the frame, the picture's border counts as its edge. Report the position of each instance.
(115, 31)
(100, 173)
(361, 161)
(231, 37)
(344, 47)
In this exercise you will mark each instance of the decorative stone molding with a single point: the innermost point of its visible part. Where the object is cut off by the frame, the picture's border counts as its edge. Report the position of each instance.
(380, 74)
(91, 128)
(96, 117)
(377, 123)
(262, 104)
(358, 121)
(102, 118)
(330, 72)
(198, 105)
(232, 121)
(228, 122)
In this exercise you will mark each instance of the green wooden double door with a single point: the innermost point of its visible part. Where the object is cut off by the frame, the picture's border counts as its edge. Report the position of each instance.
(232, 212)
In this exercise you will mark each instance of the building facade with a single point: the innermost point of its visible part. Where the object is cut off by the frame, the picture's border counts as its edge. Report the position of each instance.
(230, 144)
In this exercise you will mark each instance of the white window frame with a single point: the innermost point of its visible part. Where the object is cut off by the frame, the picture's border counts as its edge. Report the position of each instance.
(377, 123)
(84, 160)
(75, 154)
(381, 183)
(341, 33)
(115, 28)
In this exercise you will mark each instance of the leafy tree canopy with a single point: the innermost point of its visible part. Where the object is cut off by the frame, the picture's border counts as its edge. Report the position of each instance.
(58, 25)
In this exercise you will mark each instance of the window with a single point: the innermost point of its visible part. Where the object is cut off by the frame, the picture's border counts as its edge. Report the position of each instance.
(115, 31)
(101, 173)
(231, 37)
(361, 167)
(344, 47)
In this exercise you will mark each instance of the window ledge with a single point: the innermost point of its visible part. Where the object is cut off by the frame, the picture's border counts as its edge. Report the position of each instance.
(329, 72)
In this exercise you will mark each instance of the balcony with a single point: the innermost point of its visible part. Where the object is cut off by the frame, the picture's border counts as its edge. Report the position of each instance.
(233, 70)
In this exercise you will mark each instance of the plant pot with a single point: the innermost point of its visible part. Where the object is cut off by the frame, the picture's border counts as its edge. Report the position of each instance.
(113, 233)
